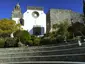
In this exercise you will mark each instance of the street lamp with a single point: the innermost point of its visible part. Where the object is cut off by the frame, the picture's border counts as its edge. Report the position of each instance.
(72, 25)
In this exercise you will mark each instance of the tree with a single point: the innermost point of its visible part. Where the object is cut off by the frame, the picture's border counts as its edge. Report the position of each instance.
(7, 27)
(77, 29)
(59, 33)
(62, 28)
(24, 37)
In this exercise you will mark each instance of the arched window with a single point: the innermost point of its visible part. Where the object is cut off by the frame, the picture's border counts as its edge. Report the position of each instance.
(22, 21)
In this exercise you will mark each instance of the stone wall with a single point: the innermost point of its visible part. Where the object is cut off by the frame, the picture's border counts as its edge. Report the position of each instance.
(58, 15)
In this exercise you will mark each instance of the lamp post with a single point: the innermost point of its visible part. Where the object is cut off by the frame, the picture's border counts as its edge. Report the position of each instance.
(72, 25)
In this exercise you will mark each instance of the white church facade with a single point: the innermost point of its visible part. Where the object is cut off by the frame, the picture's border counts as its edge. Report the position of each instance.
(33, 20)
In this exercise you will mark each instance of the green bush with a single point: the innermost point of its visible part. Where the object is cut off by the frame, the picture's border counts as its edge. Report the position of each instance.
(45, 41)
(36, 41)
(26, 38)
(11, 42)
(23, 36)
(2, 42)
(48, 40)
(30, 43)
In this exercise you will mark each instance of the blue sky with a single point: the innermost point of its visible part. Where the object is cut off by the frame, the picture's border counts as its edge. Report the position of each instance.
(6, 6)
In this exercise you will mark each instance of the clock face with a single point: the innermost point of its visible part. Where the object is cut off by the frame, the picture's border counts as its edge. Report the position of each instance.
(35, 14)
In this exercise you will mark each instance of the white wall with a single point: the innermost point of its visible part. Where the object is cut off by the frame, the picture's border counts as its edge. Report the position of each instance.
(16, 19)
(30, 21)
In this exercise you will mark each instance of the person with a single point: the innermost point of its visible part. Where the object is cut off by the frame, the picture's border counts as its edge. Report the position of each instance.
(79, 42)
(65, 40)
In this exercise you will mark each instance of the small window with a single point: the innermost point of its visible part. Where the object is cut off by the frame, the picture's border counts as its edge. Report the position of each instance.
(22, 21)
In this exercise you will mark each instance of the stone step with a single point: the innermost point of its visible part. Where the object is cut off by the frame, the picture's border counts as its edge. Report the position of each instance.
(45, 62)
(71, 52)
(42, 48)
(64, 57)
(46, 46)
(41, 53)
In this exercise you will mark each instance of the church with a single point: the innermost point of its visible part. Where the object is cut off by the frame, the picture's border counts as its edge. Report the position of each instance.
(33, 20)
(36, 22)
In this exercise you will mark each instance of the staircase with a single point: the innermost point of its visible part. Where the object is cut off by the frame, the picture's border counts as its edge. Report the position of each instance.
(47, 54)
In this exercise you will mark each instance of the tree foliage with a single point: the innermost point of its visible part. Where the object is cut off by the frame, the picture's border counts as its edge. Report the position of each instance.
(58, 34)
(35, 40)
(11, 42)
(22, 34)
(2, 42)
(62, 28)
(77, 28)
(24, 37)
(8, 26)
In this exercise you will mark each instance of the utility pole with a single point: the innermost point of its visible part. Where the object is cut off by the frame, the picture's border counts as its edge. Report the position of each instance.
(84, 7)
(72, 25)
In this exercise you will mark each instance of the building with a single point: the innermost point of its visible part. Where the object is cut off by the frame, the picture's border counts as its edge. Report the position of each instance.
(36, 22)
(59, 15)
(33, 20)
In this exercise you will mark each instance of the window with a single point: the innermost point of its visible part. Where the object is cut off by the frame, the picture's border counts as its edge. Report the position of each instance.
(37, 30)
(35, 14)
(22, 21)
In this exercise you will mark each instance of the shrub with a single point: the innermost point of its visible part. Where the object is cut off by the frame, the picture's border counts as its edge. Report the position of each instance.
(30, 43)
(2, 42)
(36, 41)
(45, 41)
(18, 33)
(23, 36)
(26, 38)
(11, 42)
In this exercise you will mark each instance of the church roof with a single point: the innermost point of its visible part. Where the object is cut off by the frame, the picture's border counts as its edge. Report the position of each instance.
(16, 13)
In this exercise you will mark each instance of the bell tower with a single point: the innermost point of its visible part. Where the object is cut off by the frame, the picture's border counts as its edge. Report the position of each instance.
(16, 13)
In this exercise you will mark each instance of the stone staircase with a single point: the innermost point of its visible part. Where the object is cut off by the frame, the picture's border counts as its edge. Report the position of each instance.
(47, 54)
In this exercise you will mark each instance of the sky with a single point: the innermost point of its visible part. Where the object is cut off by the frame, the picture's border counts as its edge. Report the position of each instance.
(7, 6)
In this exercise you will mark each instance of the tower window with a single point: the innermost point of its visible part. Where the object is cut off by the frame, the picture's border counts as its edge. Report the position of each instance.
(22, 21)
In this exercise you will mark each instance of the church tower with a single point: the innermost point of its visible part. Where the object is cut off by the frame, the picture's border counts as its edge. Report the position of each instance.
(16, 14)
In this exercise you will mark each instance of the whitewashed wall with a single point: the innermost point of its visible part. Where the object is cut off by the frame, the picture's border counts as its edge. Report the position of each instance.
(16, 19)
(30, 21)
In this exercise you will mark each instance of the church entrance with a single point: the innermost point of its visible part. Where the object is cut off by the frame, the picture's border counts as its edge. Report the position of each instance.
(38, 30)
